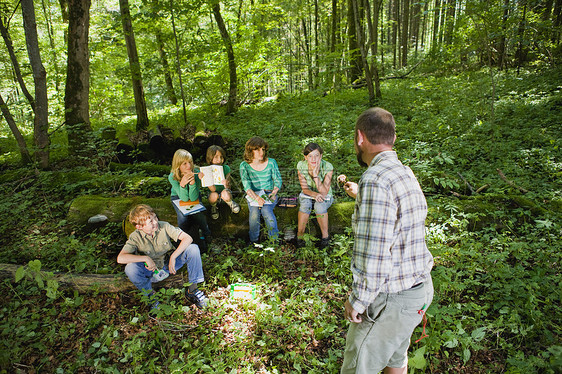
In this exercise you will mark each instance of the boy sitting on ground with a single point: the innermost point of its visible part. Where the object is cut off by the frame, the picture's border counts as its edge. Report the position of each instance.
(145, 251)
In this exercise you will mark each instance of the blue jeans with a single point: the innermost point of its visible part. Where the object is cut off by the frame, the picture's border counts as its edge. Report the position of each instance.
(268, 216)
(142, 277)
(319, 208)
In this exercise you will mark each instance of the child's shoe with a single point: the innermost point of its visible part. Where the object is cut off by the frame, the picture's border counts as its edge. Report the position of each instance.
(234, 206)
(155, 306)
(324, 242)
(214, 212)
(197, 297)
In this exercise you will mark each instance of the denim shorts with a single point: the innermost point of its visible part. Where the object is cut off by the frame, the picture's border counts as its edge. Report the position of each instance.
(383, 337)
(305, 204)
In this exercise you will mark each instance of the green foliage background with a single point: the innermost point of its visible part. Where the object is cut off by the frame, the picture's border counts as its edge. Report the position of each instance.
(497, 252)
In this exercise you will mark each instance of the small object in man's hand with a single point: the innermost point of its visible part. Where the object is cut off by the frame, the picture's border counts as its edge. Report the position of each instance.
(342, 179)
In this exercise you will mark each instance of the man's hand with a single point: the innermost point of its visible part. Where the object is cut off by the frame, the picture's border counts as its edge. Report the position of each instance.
(351, 314)
(351, 189)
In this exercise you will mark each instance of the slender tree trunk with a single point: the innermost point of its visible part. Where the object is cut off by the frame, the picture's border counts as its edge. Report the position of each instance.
(15, 63)
(557, 22)
(502, 62)
(436, 18)
(521, 51)
(394, 12)
(367, 70)
(415, 27)
(138, 89)
(316, 45)
(64, 9)
(47, 14)
(333, 42)
(231, 105)
(354, 53)
(451, 11)
(404, 42)
(425, 25)
(166, 67)
(186, 124)
(77, 93)
(41, 120)
(373, 36)
(307, 53)
(24, 152)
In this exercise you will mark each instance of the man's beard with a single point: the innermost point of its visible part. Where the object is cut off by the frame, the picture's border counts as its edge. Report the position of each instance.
(359, 153)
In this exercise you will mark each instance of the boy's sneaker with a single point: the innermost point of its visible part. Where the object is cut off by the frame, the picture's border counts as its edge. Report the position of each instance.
(214, 212)
(197, 297)
(155, 306)
(300, 243)
(234, 206)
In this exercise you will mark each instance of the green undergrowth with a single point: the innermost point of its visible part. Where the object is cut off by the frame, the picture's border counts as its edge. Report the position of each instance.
(490, 169)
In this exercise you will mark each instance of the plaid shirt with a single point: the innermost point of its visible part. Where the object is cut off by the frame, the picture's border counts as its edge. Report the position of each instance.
(390, 254)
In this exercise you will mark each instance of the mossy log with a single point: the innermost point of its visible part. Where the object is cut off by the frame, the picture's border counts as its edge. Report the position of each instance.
(148, 168)
(229, 224)
(104, 283)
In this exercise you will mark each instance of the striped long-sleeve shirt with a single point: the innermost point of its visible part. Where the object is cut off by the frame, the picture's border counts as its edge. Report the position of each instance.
(265, 179)
(390, 254)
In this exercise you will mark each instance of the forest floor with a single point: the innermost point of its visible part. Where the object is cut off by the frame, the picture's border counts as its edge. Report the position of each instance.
(496, 243)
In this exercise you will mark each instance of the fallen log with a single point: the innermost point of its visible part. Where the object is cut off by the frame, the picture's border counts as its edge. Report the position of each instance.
(103, 283)
(229, 224)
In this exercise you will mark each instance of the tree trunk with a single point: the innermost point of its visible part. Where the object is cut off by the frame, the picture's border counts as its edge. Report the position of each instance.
(521, 50)
(76, 100)
(316, 45)
(50, 32)
(354, 53)
(404, 42)
(451, 11)
(166, 67)
(231, 105)
(502, 61)
(138, 90)
(178, 67)
(333, 40)
(307, 54)
(367, 70)
(41, 120)
(15, 63)
(373, 35)
(415, 27)
(394, 6)
(436, 17)
(81, 282)
(25, 156)
(64, 9)
(557, 22)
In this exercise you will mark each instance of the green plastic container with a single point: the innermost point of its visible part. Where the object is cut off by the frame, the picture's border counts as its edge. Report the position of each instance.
(242, 291)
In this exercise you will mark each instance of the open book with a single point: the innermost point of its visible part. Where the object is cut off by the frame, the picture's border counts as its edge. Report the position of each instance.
(189, 207)
(305, 196)
(263, 195)
(213, 174)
